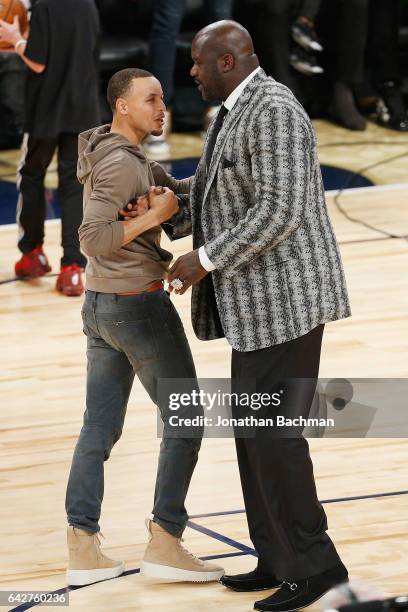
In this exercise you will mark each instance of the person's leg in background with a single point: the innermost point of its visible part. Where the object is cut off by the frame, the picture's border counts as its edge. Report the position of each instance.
(307, 43)
(383, 45)
(272, 20)
(12, 75)
(310, 8)
(167, 18)
(216, 10)
(303, 29)
(70, 193)
(31, 205)
(351, 46)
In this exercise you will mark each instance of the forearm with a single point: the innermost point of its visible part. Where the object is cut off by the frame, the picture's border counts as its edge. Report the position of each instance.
(100, 237)
(20, 50)
(138, 225)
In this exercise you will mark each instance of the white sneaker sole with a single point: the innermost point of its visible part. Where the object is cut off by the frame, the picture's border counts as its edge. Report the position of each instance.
(82, 577)
(166, 572)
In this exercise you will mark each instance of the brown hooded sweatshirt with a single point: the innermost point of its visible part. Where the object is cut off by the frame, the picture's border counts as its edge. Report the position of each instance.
(115, 172)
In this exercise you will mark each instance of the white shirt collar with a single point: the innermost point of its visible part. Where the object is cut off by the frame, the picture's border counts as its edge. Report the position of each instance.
(233, 97)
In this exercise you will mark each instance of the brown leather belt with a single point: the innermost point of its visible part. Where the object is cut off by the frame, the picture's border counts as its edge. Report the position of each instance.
(157, 285)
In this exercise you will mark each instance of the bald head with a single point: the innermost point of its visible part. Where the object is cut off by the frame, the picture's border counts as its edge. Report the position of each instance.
(227, 37)
(223, 56)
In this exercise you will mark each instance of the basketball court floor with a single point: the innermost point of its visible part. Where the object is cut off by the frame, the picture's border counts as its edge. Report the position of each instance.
(361, 482)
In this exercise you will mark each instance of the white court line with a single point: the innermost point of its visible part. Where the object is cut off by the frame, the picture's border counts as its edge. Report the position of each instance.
(392, 186)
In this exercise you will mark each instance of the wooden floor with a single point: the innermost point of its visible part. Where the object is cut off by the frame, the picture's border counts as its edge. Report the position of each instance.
(42, 385)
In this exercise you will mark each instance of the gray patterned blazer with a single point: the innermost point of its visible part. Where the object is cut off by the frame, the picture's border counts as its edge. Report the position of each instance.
(262, 217)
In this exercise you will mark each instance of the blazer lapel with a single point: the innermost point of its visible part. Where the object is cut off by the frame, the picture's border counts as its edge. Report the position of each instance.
(229, 122)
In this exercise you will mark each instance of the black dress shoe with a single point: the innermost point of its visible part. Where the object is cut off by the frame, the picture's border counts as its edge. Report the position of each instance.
(296, 595)
(252, 581)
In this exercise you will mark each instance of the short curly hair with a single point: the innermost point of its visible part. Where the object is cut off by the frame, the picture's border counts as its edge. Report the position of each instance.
(120, 82)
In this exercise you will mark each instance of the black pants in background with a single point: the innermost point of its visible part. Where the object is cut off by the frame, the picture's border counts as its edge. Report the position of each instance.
(31, 207)
(272, 22)
(367, 25)
(12, 75)
(286, 521)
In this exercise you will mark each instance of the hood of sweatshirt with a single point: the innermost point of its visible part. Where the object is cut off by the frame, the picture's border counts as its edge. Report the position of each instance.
(97, 143)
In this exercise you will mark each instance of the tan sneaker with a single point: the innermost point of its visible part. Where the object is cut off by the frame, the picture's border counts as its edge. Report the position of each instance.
(166, 558)
(87, 563)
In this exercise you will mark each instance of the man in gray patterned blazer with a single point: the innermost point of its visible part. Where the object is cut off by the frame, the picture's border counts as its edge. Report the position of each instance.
(266, 273)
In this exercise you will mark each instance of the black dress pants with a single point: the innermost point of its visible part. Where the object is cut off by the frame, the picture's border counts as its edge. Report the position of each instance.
(287, 523)
(31, 207)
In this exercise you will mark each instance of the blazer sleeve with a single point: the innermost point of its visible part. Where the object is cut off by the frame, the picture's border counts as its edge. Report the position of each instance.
(179, 225)
(280, 146)
(161, 177)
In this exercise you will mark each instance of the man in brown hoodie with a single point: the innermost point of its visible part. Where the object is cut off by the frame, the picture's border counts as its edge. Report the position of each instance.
(132, 328)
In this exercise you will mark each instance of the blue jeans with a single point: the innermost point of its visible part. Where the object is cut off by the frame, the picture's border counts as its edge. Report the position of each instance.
(167, 19)
(128, 335)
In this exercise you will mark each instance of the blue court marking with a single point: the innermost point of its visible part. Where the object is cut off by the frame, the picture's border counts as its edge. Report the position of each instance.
(222, 538)
(323, 501)
(243, 549)
(333, 178)
(67, 589)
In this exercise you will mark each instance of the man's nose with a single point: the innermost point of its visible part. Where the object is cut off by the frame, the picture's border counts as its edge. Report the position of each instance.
(193, 71)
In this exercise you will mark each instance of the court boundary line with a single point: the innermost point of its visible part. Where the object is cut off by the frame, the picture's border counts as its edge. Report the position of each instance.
(131, 572)
(222, 538)
(243, 549)
(323, 501)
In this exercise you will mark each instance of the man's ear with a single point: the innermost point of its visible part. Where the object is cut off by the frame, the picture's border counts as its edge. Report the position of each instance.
(226, 62)
(121, 106)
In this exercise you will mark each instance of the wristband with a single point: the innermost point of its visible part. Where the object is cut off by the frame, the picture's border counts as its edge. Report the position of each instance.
(22, 41)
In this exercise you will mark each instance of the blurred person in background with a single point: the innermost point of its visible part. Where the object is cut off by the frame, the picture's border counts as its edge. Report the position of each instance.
(304, 35)
(61, 100)
(287, 36)
(368, 28)
(11, 96)
(167, 18)
(11, 100)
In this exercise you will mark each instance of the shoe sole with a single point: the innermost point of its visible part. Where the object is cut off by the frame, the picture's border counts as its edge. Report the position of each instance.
(82, 577)
(304, 606)
(266, 588)
(70, 292)
(166, 572)
(334, 118)
(35, 274)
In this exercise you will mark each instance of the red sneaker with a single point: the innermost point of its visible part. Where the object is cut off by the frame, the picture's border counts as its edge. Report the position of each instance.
(69, 281)
(32, 264)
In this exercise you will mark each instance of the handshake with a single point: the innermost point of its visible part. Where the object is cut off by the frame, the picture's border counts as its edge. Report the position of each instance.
(161, 201)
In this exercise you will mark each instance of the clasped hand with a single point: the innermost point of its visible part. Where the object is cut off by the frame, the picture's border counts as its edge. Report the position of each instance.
(161, 200)
(187, 268)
